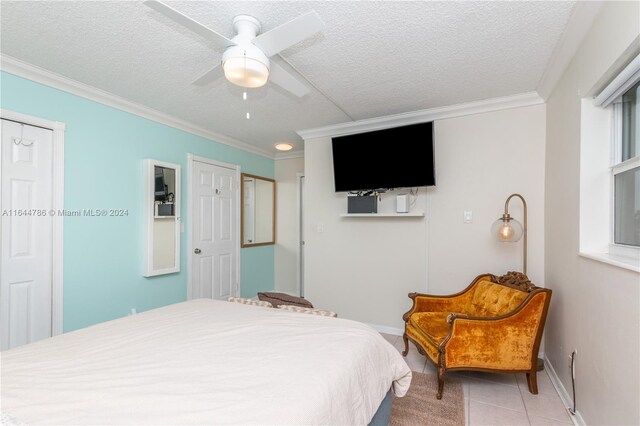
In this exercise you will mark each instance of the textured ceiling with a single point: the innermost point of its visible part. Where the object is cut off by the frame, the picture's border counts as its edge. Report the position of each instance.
(373, 59)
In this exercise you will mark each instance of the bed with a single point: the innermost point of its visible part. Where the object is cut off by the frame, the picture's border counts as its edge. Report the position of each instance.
(205, 362)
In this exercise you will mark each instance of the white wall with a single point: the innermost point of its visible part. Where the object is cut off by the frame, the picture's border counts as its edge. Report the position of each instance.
(364, 268)
(361, 268)
(595, 307)
(482, 159)
(286, 261)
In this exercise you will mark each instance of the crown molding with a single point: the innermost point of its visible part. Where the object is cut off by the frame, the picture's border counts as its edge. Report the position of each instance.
(40, 75)
(582, 17)
(288, 155)
(404, 119)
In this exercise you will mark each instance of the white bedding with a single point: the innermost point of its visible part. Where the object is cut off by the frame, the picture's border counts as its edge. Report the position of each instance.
(205, 362)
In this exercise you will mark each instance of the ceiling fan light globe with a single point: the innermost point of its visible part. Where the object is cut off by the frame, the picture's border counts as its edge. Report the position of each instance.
(246, 72)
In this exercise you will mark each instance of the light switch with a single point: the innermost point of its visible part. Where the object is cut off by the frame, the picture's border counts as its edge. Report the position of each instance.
(467, 216)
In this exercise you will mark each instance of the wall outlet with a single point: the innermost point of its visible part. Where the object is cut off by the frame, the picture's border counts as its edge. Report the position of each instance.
(133, 311)
(467, 216)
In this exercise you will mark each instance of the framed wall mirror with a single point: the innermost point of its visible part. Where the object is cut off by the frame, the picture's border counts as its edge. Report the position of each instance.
(258, 227)
(162, 218)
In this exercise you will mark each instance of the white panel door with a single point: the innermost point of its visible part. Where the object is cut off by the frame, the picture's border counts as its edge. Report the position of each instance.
(214, 231)
(26, 176)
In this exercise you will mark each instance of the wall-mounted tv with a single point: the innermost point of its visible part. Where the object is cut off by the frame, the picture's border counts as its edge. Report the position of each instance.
(401, 157)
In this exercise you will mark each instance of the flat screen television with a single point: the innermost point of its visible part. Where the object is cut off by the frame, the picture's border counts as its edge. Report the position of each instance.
(401, 157)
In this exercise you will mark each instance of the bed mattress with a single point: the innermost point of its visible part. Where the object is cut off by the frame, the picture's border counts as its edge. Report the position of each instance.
(205, 362)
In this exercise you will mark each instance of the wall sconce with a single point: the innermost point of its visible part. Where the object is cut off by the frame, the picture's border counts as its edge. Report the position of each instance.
(508, 230)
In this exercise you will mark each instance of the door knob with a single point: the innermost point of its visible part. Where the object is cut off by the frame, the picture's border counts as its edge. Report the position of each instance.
(197, 251)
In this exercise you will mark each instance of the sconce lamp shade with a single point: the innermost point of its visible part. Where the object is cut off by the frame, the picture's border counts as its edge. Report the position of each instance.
(507, 230)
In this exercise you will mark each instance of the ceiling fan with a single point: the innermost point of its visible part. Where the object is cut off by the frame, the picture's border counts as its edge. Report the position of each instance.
(245, 61)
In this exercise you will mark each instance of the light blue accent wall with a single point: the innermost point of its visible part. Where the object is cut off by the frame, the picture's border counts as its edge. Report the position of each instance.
(104, 152)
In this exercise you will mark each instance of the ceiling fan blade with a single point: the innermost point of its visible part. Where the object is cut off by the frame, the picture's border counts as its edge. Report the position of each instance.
(217, 38)
(282, 77)
(286, 35)
(209, 76)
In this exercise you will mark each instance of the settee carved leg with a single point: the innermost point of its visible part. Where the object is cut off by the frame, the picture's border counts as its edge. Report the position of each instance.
(406, 344)
(441, 373)
(532, 381)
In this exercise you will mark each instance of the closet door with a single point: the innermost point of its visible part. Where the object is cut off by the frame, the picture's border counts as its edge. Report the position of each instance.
(26, 201)
(215, 217)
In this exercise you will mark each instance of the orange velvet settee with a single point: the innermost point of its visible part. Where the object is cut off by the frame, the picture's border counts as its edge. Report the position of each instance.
(493, 325)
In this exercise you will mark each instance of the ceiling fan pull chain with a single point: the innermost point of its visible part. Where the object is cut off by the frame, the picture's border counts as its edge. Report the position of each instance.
(244, 55)
(244, 94)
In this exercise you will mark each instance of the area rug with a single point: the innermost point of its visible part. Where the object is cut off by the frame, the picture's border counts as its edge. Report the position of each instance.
(420, 406)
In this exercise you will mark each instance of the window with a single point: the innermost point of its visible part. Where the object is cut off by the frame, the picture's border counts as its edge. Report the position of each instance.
(626, 168)
(610, 170)
(622, 96)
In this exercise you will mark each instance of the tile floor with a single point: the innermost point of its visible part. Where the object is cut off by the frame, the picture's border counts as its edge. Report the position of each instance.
(497, 399)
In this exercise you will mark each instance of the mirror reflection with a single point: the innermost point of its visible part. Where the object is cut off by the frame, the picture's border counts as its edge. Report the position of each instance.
(258, 210)
(164, 241)
(162, 218)
(164, 190)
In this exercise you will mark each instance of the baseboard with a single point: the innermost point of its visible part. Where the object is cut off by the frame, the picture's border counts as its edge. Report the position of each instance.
(387, 330)
(562, 392)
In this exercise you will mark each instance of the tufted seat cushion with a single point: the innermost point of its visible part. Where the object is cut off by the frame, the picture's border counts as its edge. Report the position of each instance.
(490, 299)
(433, 325)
